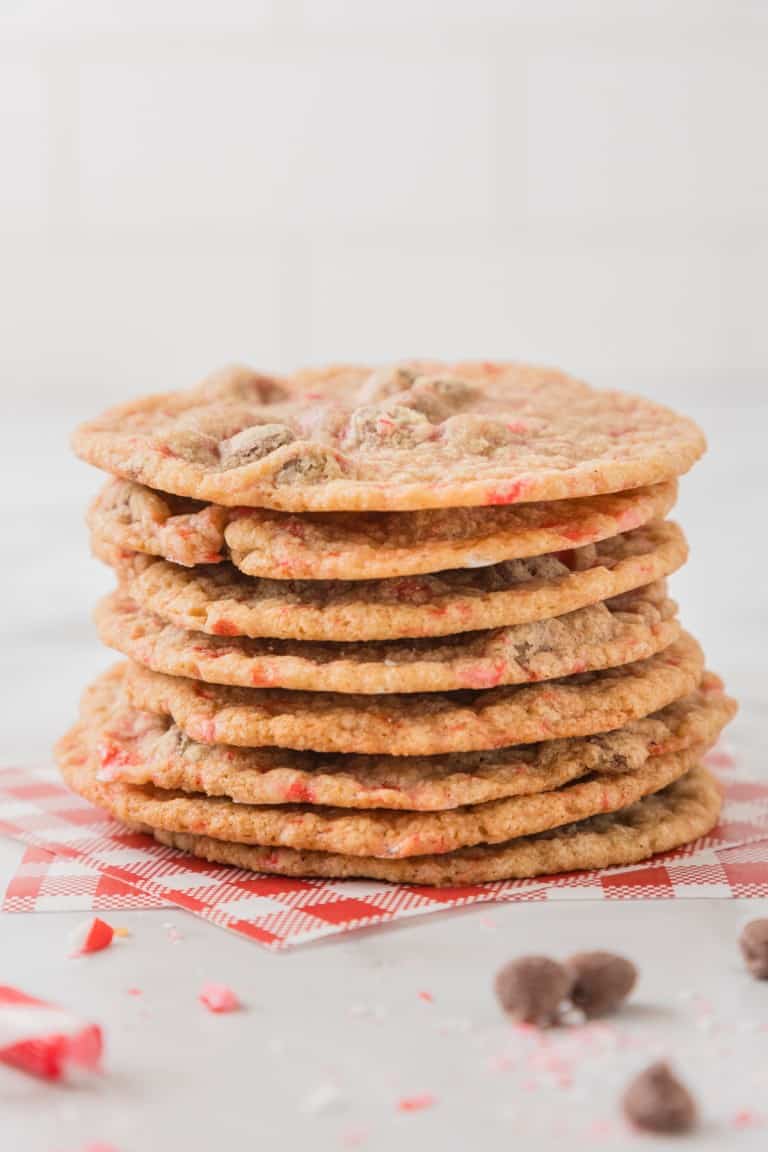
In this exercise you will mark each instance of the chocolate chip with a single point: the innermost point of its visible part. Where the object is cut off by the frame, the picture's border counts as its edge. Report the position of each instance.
(309, 464)
(754, 948)
(601, 981)
(532, 989)
(657, 1101)
(254, 444)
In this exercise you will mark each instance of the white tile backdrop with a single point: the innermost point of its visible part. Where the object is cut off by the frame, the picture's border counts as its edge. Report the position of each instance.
(573, 181)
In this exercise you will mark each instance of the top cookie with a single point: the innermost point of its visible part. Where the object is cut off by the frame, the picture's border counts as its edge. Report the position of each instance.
(417, 435)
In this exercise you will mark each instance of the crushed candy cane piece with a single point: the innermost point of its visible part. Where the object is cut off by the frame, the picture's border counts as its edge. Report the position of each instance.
(218, 998)
(44, 1040)
(416, 1103)
(427, 997)
(91, 936)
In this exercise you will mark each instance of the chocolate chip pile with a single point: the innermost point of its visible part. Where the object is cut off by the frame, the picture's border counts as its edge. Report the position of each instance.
(540, 991)
(537, 989)
(407, 623)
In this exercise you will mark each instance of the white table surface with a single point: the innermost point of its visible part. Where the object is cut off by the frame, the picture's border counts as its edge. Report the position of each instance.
(334, 1034)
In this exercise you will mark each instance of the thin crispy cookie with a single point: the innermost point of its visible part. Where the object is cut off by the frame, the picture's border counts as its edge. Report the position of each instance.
(419, 435)
(127, 517)
(384, 834)
(221, 601)
(135, 747)
(424, 724)
(629, 627)
(678, 815)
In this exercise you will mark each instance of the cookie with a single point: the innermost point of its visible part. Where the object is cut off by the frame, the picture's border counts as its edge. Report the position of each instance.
(128, 517)
(379, 833)
(376, 545)
(666, 820)
(423, 724)
(221, 601)
(417, 435)
(136, 747)
(629, 627)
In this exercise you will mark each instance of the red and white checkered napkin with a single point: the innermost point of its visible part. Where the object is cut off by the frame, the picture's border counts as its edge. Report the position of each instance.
(88, 854)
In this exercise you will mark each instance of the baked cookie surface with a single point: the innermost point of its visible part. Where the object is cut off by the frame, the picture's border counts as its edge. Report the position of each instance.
(219, 600)
(128, 517)
(379, 833)
(421, 434)
(628, 627)
(134, 747)
(678, 815)
(423, 724)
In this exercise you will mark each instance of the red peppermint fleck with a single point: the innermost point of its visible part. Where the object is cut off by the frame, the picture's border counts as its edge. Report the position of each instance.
(416, 1103)
(218, 998)
(505, 493)
(483, 674)
(575, 534)
(224, 627)
(299, 793)
(111, 759)
(427, 997)
(91, 936)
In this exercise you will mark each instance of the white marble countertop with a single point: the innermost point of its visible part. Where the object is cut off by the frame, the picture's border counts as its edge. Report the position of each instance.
(332, 1035)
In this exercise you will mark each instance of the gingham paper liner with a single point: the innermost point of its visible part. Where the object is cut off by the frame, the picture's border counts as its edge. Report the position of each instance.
(36, 808)
(44, 882)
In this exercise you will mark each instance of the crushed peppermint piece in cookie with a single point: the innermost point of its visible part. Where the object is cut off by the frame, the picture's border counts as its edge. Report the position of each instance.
(656, 1101)
(91, 936)
(601, 981)
(532, 989)
(218, 998)
(754, 948)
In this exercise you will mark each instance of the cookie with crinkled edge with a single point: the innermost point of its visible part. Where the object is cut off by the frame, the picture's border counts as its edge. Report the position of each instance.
(626, 628)
(127, 517)
(678, 815)
(421, 434)
(221, 601)
(377, 545)
(380, 833)
(423, 724)
(134, 747)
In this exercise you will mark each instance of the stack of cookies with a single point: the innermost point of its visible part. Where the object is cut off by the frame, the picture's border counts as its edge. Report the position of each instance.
(409, 624)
